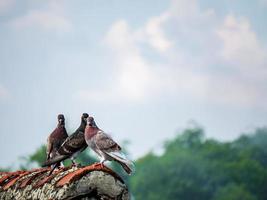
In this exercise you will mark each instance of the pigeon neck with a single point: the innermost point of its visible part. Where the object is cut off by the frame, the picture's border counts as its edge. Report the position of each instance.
(82, 126)
(60, 125)
(91, 131)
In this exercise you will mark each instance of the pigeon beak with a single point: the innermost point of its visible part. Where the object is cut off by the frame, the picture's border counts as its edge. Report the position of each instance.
(89, 123)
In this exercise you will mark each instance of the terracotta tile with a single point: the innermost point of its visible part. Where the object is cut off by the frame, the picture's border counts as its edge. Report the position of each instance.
(7, 177)
(12, 181)
(48, 179)
(75, 175)
(29, 180)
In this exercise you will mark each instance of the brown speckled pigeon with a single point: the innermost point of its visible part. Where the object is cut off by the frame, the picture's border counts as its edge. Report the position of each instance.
(72, 146)
(55, 139)
(105, 147)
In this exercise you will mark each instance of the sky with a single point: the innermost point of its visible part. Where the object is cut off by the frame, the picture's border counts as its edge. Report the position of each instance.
(144, 69)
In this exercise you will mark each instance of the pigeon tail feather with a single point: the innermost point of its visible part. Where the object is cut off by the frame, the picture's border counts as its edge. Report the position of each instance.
(127, 164)
(125, 167)
(56, 159)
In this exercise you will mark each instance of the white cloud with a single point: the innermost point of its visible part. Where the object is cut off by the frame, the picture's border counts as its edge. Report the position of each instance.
(52, 18)
(180, 73)
(6, 5)
(240, 44)
(155, 32)
(129, 61)
(134, 80)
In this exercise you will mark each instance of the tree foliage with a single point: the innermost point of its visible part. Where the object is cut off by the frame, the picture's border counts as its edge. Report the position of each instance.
(196, 168)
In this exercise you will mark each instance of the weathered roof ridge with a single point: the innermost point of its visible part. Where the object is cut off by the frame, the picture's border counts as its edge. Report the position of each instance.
(37, 179)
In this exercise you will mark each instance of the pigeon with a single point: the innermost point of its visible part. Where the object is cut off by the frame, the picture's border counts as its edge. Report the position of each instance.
(55, 140)
(72, 146)
(105, 147)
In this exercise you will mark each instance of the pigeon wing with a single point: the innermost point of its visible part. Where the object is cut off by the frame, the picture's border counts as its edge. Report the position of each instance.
(105, 143)
(51, 142)
(73, 144)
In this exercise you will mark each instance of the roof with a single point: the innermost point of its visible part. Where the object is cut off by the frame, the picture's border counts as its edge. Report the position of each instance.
(37, 179)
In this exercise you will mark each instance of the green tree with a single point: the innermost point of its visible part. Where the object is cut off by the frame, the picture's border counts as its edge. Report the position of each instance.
(193, 167)
(233, 192)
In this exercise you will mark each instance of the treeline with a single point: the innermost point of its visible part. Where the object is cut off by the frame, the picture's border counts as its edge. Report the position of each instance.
(193, 168)
(196, 168)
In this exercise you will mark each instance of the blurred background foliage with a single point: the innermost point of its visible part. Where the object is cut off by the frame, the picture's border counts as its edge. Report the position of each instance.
(196, 168)
(192, 167)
